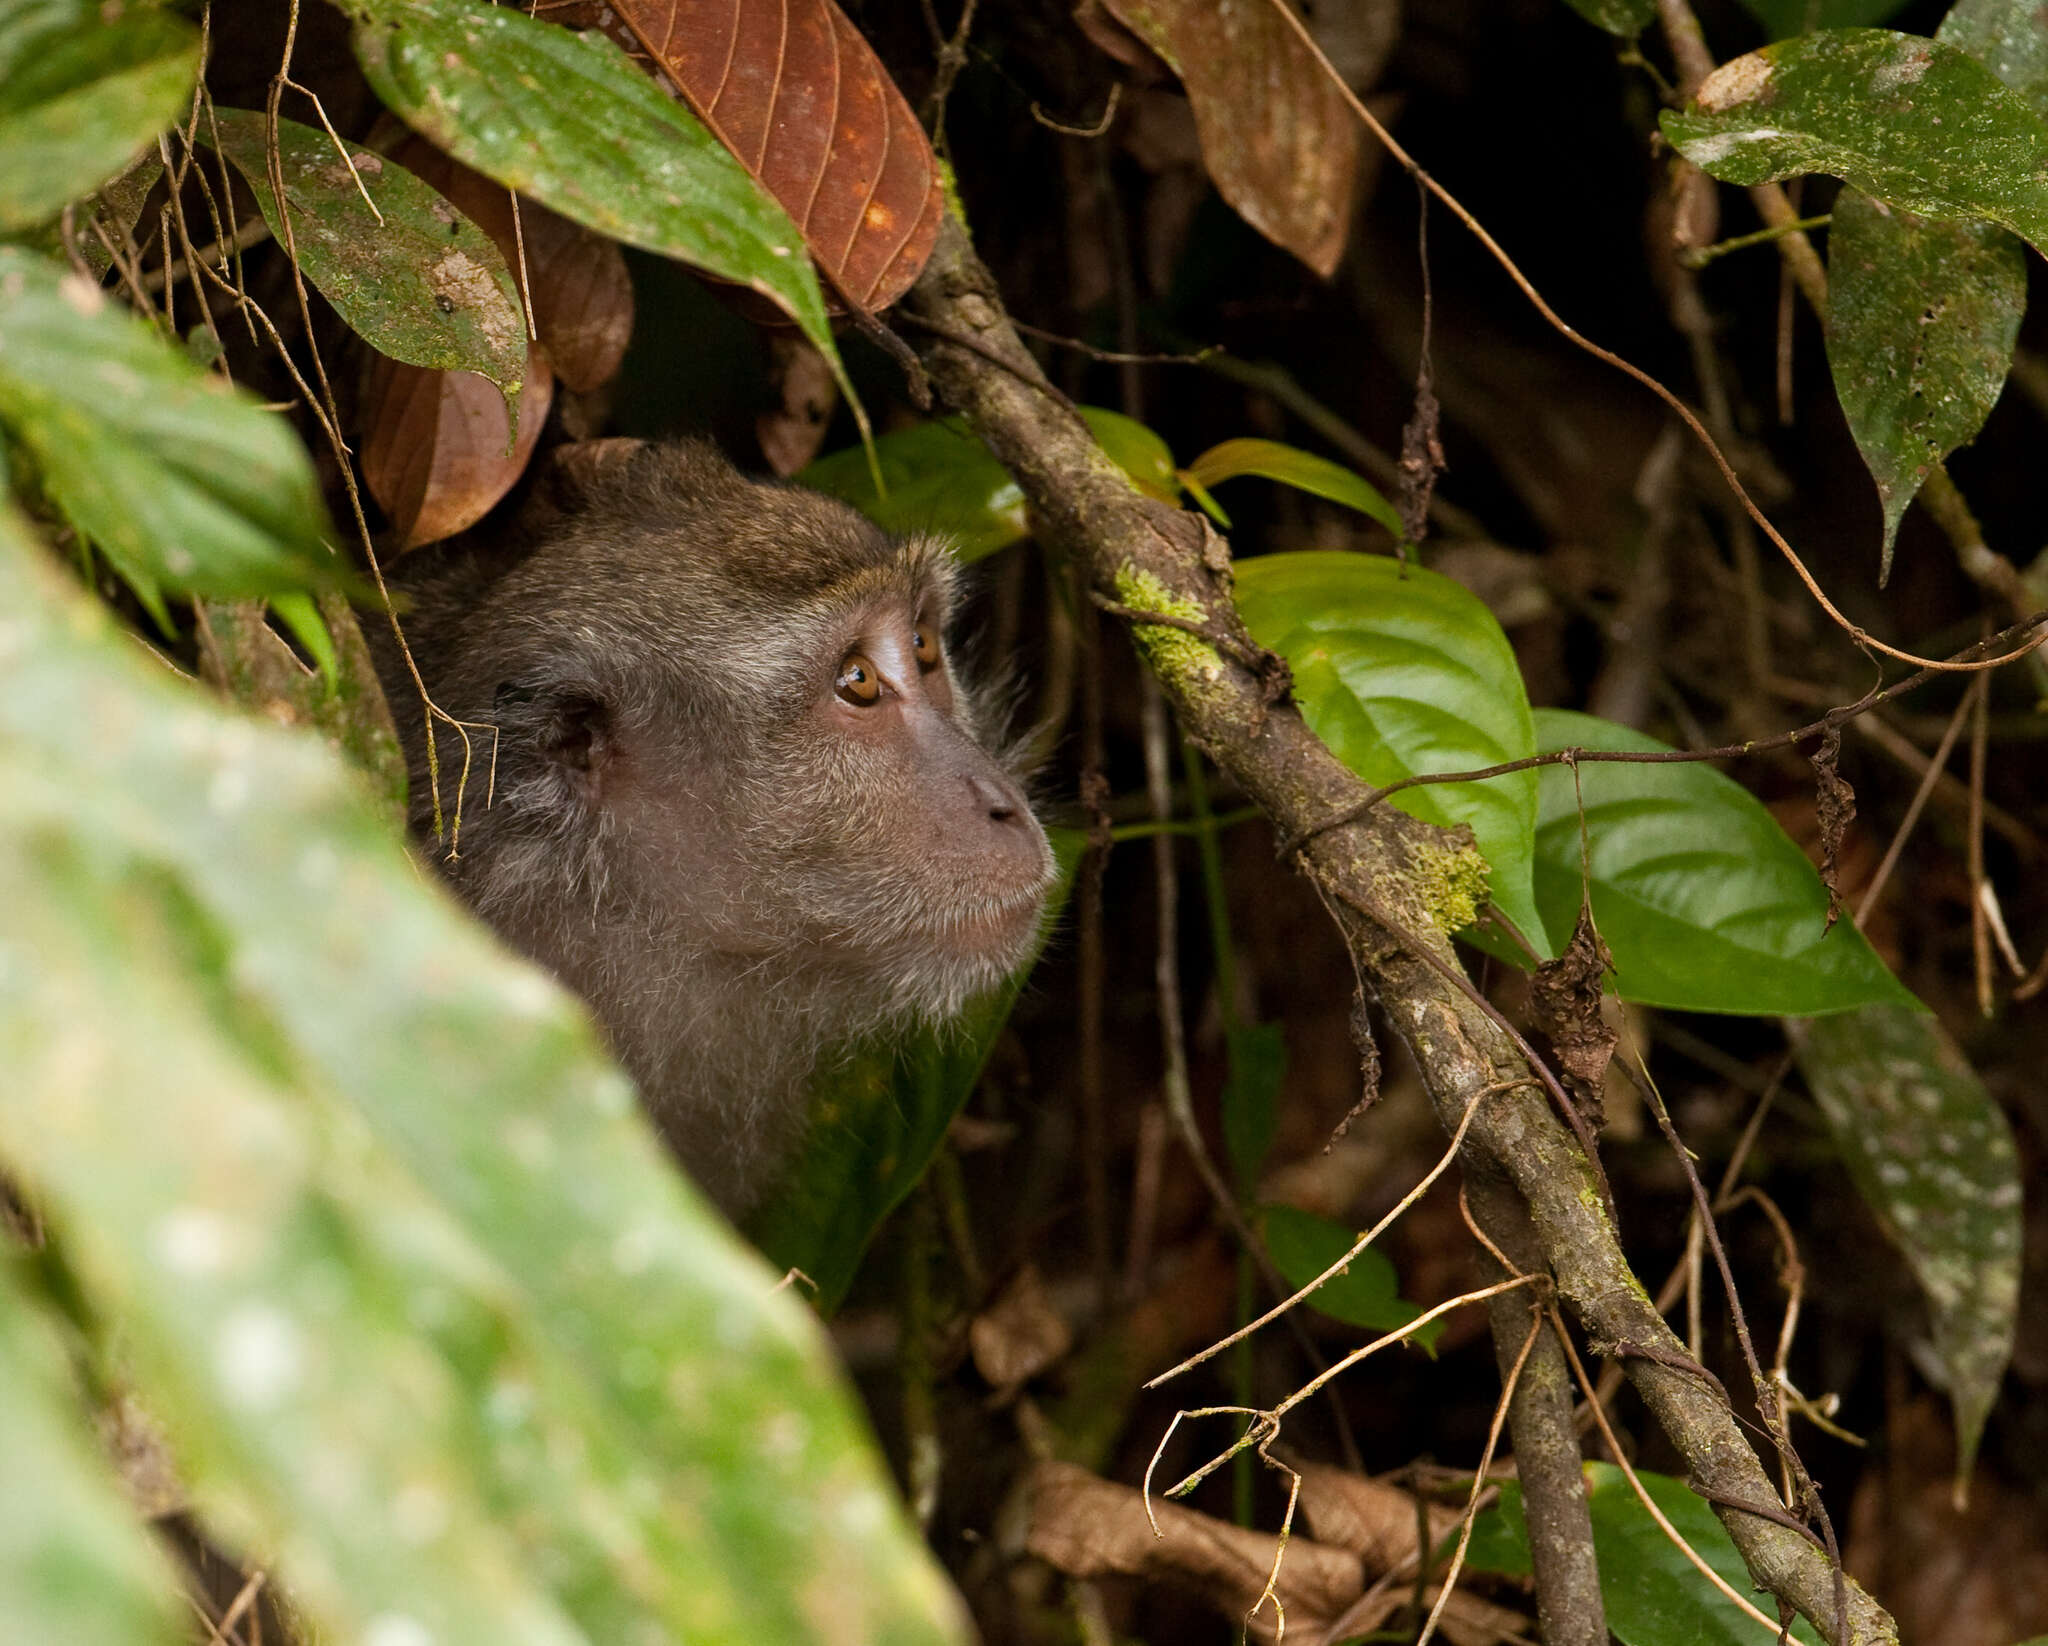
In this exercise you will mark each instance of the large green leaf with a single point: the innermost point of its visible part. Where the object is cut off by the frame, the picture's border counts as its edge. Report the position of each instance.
(877, 1121)
(1652, 1594)
(1922, 318)
(1932, 1154)
(567, 119)
(180, 482)
(1292, 466)
(424, 285)
(2006, 36)
(1365, 1293)
(75, 1565)
(1705, 902)
(940, 478)
(1917, 123)
(80, 93)
(431, 1318)
(1403, 672)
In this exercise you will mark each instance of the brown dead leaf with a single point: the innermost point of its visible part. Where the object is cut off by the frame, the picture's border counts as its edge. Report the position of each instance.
(1564, 997)
(1373, 1520)
(1089, 1527)
(1834, 810)
(1278, 140)
(801, 100)
(1020, 1334)
(434, 455)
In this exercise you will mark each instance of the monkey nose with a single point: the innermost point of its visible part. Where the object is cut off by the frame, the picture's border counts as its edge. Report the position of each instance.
(1003, 804)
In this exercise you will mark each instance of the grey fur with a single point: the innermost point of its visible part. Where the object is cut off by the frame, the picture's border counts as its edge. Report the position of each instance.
(736, 870)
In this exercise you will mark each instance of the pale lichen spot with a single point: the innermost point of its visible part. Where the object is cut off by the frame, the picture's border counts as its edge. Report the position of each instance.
(192, 1240)
(258, 1355)
(1907, 66)
(395, 1629)
(878, 217)
(1708, 152)
(1737, 82)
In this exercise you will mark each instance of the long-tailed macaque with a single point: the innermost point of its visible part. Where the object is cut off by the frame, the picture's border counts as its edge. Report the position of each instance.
(741, 802)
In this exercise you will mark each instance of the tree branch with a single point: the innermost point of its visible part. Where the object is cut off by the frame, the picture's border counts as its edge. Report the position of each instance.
(1383, 877)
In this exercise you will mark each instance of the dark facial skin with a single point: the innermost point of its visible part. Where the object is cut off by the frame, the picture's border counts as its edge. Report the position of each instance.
(743, 804)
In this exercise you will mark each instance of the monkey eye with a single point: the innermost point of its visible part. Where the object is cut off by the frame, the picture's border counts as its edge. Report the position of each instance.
(858, 683)
(924, 646)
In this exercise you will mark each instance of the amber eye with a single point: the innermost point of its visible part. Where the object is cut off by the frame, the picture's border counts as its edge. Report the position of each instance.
(858, 682)
(924, 645)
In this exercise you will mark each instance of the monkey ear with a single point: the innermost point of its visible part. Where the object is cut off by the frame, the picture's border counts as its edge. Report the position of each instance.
(570, 728)
(568, 477)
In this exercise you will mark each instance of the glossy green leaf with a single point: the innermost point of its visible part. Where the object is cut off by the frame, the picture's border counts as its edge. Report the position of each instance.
(1653, 1595)
(2006, 36)
(178, 481)
(1922, 318)
(940, 478)
(568, 120)
(1706, 903)
(1784, 18)
(1932, 1154)
(1919, 124)
(75, 1564)
(1251, 1097)
(1627, 18)
(876, 1123)
(80, 94)
(388, 1246)
(1367, 1293)
(1402, 671)
(425, 285)
(1292, 466)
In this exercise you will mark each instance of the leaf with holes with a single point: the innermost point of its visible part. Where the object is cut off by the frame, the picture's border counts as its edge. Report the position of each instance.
(1403, 672)
(1932, 1155)
(81, 92)
(1922, 318)
(801, 100)
(1919, 124)
(1705, 902)
(565, 119)
(409, 274)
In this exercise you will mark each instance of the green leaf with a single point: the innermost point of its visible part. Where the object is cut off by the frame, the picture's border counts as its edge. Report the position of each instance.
(80, 95)
(1366, 1293)
(1784, 18)
(1251, 1096)
(2006, 36)
(1706, 903)
(876, 1123)
(1402, 671)
(1292, 466)
(940, 478)
(389, 1248)
(1627, 18)
(425, 286)
(75, 1564)
(1653, 1595)
(1932, 1155)
(177, 480)
(567, 119)
(1922, 318)
(1918, 123)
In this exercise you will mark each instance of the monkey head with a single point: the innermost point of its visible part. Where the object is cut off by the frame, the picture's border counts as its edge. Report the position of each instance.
(725, 782)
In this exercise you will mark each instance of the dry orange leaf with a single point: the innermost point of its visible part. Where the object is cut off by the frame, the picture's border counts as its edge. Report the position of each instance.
(434, 455)
(1278, 140)
(801, 100)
